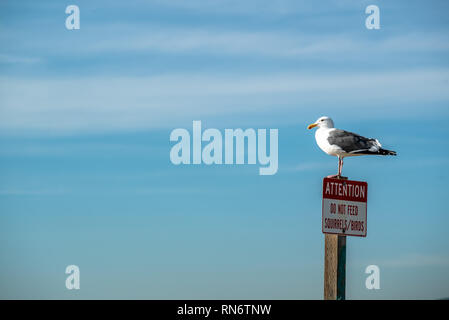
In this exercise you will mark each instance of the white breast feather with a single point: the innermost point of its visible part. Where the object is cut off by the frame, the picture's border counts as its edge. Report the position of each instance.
(321, 136)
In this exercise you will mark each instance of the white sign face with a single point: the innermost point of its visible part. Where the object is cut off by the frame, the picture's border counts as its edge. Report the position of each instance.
(344, 207)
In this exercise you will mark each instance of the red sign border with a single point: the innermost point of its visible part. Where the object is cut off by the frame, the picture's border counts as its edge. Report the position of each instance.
(353, 182)
(366, 213)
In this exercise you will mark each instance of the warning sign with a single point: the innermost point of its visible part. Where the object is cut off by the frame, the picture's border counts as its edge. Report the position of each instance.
(344, 207)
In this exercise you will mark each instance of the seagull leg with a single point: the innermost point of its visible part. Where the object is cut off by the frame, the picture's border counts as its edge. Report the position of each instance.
(340, 164)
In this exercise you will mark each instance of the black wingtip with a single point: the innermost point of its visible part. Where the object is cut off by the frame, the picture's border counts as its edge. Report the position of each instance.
(386, 152)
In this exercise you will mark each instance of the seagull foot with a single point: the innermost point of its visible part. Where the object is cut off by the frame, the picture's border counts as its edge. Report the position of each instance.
(336, 176)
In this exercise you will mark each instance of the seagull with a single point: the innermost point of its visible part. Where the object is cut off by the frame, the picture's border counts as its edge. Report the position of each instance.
(340, 143)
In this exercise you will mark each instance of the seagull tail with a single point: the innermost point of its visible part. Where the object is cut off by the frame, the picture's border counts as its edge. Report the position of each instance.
(386, 152)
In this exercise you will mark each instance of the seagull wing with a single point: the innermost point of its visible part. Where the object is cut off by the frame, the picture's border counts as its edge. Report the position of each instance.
(353, 143)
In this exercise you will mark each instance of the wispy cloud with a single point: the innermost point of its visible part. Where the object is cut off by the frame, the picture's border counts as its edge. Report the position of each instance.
(416, 260)
(91, 104)
(307, 166)
(174, 190)
(281, 43)
(70, 148)
(31, 192)
(12, 59)
(271, 43)
(212, 38)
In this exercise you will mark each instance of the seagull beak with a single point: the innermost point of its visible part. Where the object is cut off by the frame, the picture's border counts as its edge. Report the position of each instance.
(313, 125)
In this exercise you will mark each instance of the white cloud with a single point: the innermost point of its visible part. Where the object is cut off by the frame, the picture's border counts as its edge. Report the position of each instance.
(417, 260)
(7, 58)
(308, 166)
(247, 7)
(31, 192)
(91, 104)
(143, 37)
(71, 148)
(279, 43)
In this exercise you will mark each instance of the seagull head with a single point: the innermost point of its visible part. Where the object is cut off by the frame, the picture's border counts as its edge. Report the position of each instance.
(323, 122)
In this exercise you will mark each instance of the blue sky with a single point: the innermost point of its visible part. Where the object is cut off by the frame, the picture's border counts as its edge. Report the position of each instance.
(85, 119)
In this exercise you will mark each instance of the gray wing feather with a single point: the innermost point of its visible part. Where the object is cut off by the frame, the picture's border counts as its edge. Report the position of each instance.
(351, 142)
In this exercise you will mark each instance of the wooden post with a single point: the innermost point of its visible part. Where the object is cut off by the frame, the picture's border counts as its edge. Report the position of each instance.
(335, 265)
